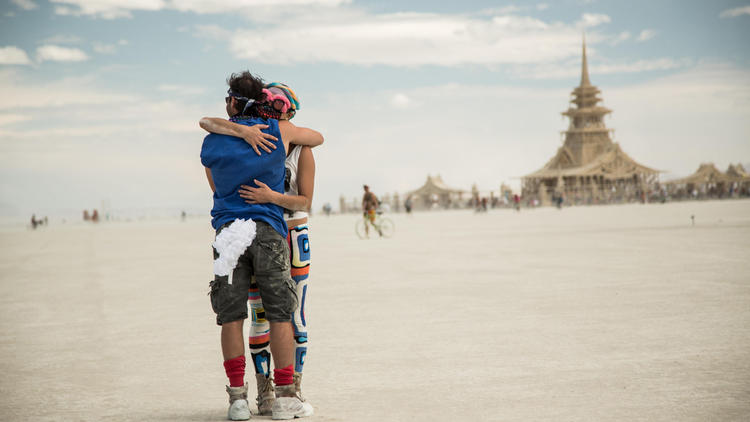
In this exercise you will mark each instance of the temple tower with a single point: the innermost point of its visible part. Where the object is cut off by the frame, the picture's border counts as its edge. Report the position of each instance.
(587, 136)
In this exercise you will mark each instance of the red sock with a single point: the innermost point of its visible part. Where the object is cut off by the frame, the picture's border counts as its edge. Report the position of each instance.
(235, 369)
(284, 376)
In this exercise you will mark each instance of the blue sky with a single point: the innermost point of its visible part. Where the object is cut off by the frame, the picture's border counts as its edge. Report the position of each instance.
(101, 97)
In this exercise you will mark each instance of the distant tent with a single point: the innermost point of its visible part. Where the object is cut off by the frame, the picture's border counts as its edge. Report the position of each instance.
(739, 177)
(436, 192)
(709, 182)
(707, 173)
(737, 172)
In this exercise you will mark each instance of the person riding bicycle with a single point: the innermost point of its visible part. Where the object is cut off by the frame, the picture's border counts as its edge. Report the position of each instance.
(369, 206)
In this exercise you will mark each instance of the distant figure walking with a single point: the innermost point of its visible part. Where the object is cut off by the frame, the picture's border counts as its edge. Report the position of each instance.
(34, 221)
(407, 204)
(517, 202)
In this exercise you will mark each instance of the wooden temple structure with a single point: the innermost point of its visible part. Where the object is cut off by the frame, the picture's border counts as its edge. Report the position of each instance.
(589, 167)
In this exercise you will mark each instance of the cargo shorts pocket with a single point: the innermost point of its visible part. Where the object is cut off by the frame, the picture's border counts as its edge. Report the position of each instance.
(274, 257)
(218, 296)
(224, 298)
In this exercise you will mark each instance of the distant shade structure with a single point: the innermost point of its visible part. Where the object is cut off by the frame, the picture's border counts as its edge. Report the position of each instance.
(434, 193)
(709, 182)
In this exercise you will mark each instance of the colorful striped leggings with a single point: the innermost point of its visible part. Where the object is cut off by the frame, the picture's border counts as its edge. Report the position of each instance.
(259, 342)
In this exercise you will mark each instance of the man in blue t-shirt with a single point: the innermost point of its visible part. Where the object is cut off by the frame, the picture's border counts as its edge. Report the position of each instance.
(231, 162)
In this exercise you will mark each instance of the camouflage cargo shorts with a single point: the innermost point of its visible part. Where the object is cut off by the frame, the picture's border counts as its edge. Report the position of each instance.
(267, 260)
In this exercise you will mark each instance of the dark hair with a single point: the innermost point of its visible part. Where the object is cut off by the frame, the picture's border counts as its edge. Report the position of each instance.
(246, 85)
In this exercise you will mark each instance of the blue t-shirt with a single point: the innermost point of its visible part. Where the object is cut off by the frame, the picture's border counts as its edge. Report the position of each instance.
(233, 163)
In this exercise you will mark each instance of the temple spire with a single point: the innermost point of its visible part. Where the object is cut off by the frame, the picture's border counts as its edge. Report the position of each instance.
(585, 67)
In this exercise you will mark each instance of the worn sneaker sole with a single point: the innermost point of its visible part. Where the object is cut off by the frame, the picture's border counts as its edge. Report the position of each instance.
(286, 416)
(306, 410)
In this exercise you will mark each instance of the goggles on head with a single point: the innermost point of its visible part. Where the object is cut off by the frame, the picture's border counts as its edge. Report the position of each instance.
(276, 99)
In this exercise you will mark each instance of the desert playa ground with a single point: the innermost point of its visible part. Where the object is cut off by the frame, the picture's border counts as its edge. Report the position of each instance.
(610, 313)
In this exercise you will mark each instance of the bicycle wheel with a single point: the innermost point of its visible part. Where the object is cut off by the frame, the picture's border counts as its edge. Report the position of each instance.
(387, 228)
(359, 228)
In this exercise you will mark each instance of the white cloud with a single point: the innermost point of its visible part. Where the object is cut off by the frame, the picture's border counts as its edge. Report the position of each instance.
(56, 53)
(594, 19)
(212, 32)
(640, 66)
(62, 39)
(182, 89)
(646, 35)
(113, 9)
(505, 10)
(25, 4)
(572, 69)
(400, 100)
(102, 48)
(221, 6)
(7, 119)
(107, 9)
(711, 87)
(542, 6)
(405, 39)
(64, 11)
(19, 94)
(13, 55)
(622, 36)
(733, 13)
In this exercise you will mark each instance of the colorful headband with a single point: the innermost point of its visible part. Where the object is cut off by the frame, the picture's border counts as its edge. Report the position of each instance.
(290, 95)
(249, 102)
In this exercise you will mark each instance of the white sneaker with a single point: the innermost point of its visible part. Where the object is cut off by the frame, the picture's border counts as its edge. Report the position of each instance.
(290, 408)
(308, 408)
(239, 410)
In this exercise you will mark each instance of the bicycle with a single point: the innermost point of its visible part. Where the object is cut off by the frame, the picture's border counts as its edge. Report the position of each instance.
(383, 226)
